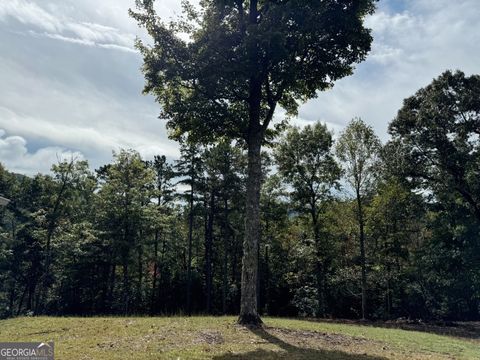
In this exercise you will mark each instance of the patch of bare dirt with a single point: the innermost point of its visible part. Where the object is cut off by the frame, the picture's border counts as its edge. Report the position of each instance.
(330, 338)
(211, 337)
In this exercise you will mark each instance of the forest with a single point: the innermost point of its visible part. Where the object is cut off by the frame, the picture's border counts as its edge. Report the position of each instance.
(350, 227)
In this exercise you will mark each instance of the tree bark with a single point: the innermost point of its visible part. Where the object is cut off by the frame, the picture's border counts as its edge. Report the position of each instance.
(189, 261)
(363, 259)
(319, 266)
(155, 271)
(225, 256)
(161, 303)
(208, 254)
(320, 269)
(248, 302)
(11, 297)
(267, 279)
(139, 295)
(19, 310)
(126, 285)
(111, 291)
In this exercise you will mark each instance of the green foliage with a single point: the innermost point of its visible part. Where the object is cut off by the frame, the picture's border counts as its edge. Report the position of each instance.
(161, 236)
(306, 162)
(217, 67)
(437, 131)
(358, 148)
(306, 301)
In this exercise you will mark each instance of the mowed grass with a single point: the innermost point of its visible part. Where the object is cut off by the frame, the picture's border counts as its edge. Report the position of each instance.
(220, 338)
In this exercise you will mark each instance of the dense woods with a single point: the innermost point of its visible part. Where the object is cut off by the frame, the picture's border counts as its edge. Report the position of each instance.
(350, 227)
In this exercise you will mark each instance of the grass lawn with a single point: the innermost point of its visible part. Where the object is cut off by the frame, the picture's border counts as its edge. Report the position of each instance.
(220, 338)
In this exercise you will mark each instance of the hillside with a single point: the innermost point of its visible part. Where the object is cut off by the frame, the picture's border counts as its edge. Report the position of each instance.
(219, 338)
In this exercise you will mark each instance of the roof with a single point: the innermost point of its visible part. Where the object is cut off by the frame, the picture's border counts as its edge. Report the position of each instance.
(3, 201)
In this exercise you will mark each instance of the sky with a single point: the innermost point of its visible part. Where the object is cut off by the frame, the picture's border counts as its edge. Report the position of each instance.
(70, 80)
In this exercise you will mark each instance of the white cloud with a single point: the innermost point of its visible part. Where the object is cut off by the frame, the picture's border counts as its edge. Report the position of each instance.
(62, 90)
(92, 104)
(57, 25)
(15, 156)
(384, 23)
(410, 48)
(29, 13)
(82, 41)
(95, 142)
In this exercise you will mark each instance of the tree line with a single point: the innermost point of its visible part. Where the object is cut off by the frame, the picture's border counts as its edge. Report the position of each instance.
(349, 227)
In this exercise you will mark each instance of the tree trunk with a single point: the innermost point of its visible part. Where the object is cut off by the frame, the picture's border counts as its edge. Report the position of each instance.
(125, 255)
(102, 305)
(234, 260)
(259, 279)
(163, 304)
(20, 304)
(225, 256)
(126, 285)
(189, 260)
(389, 295)
(112, 286)
(12, 297)
(319, 267)
(31, 295)
(154, 276)
(267, 279)
(139, 304)
(248, 302)
(363, 259)
(208, 254)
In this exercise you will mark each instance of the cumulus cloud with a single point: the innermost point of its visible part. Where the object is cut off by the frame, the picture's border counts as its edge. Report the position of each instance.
(410, 48)
(96, 143)
(63, 90)
(15, 155)
(57, 25)
(60, 88)
(29, 13)
(83, 41)
(90, 102)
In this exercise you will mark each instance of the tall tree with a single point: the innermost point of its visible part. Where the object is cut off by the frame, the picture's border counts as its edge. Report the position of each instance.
(67, 178)
(275, 216)
(190, 168)
(163, 195)
(395, 221)
(240, 60)
(305, 160)
(359, 148)
(122, 198)
(224, 170)
(438, 133)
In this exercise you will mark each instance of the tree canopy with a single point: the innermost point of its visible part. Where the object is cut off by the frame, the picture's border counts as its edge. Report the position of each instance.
(437, 132)
(219, 63)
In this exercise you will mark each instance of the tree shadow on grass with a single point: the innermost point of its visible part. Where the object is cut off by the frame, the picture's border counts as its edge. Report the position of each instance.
(291, 352)
(466, 330)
